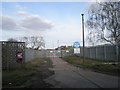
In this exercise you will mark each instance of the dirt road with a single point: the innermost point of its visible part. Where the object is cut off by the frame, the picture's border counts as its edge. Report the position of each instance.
(69, 76)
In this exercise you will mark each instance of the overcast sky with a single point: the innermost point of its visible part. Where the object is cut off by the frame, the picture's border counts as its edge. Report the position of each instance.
(52, 20)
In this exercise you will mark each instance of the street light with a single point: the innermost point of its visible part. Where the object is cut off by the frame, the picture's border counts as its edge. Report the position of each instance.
(83, 35)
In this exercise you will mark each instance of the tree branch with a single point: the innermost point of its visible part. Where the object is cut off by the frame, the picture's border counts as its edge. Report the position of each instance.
(107, 40)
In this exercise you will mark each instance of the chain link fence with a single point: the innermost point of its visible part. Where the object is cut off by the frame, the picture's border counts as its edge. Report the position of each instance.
(10, 54)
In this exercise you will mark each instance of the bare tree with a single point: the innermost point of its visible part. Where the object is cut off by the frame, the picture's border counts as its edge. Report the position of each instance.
(34, 42)
(40, 43)
(104, 22)
(25, 39)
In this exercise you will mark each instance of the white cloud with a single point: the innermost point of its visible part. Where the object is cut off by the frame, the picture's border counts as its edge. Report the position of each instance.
(20, 7)
(22, 13)
(35, 22)
(8, 23)
(28, 23)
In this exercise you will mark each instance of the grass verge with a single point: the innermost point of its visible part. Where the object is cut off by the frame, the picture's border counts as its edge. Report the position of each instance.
(18, 76)
(108, 67)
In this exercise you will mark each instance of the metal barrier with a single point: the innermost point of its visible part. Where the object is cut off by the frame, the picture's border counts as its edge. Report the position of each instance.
(13, 54)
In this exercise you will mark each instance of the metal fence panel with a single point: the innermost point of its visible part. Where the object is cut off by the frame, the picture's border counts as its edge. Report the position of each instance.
(9, 52)
(93, 53)
(100, 52)
(29, 55)
(111, 53)
(87, 52)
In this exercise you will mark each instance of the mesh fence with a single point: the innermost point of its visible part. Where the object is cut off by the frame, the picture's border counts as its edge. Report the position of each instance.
(9, 54)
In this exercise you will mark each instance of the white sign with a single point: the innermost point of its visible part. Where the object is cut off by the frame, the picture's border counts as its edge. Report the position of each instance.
(51, 51)
(67, 51)
(76, 50)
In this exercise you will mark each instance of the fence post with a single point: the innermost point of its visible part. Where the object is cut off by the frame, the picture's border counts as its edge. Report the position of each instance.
(117, 53)
(96, 52)
(90, 52)
(104, 52)
(24, 46)
(7, 58)
(1, 65)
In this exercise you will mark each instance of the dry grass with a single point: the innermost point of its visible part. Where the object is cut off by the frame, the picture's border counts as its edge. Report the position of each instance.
(107, 66)
(17, 76)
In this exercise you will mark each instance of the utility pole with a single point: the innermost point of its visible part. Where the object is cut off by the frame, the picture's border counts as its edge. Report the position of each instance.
(58, 43)
(53, 50)
(61, 52)
(83, 36)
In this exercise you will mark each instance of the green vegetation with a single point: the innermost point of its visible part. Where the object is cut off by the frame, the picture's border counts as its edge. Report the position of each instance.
(104, 66)
(18, 76)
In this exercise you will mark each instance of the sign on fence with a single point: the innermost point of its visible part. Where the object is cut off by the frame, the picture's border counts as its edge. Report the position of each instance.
(76, 50)
(76, 44)
(76, 47)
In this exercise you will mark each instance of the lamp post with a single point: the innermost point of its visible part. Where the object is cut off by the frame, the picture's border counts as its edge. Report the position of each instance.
(61, 51)
(58, 43)
(83, 36)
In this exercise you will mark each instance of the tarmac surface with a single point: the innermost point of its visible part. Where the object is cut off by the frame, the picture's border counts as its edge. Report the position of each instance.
(68, 76)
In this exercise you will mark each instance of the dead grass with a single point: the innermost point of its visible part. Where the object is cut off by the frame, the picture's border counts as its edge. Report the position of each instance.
(104, 66)
(18, 76)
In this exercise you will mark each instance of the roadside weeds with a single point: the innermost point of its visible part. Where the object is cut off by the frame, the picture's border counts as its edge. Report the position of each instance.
(16, 77)
(106, 67)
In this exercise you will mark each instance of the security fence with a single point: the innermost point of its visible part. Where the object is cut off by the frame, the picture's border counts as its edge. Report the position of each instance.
(13, 54)
(102, 52)
(30, 54)
(59, 53)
